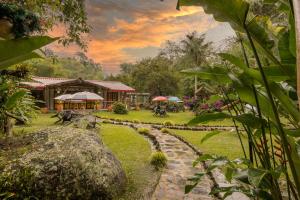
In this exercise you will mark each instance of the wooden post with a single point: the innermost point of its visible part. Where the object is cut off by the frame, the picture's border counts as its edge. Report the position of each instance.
(296, 4)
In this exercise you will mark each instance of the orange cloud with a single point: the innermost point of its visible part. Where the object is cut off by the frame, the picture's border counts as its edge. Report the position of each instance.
(108, 46)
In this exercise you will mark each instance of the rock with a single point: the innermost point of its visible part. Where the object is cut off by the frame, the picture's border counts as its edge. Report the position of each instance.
(65, 163)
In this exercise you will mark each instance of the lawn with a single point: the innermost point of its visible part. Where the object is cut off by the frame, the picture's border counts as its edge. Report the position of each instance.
(225, 143)
(147, 116)
(134, 152)
(130, 148)
(40, 122)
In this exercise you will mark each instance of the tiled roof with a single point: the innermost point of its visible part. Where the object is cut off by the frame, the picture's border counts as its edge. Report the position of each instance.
(113, 85)
(41, 82)
(49, 80)
(33, 84)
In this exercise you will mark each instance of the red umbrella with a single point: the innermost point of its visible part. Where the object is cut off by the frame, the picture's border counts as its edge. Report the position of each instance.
(160, 98)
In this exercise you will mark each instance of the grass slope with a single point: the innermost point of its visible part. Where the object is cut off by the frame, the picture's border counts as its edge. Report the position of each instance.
(134, 153)
(225, 143)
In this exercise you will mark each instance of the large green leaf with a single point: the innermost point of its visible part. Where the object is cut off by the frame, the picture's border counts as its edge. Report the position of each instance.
(250, 120)
(246, 94)
(295, 154)
(209, 135)
(261, 36)
(218, 74)
(208, 117)
(286, 55)
(234, 60)
(257, 177)
(232, 11)
(285, 102)
(17, 48)
(18, 59)
(274, 73)
(13, 99)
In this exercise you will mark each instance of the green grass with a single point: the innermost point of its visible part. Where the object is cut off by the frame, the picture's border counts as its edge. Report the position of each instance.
(40, 122)
(147, 116)
(225, 143)
(134, 153)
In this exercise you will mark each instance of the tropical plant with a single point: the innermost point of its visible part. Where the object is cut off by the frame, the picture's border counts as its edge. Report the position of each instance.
(17, 103)
(272, 122)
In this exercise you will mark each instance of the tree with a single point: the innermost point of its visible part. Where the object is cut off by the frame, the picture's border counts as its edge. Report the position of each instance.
(196, 50)
(16, 46)
(71, 14)
(65, 67)
(153, 75)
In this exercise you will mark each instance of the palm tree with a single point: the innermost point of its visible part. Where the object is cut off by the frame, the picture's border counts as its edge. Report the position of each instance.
(197, 51)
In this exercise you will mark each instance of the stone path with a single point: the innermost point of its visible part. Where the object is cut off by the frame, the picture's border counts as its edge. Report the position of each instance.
(178, 170)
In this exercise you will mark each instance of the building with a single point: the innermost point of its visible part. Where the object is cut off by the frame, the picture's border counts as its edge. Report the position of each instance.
(46, 89)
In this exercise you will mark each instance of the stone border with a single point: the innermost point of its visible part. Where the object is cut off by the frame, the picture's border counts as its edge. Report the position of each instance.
(176, 126)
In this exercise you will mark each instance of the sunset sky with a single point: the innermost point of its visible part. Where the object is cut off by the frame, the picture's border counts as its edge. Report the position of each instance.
(128, 30)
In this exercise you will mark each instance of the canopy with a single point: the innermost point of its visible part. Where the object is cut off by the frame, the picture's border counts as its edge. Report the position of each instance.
(174, 99)
(85, 96)
(160, 98)
(63, 97)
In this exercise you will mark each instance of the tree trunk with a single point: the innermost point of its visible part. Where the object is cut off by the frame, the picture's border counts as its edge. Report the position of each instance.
(8, 127)
(296, 4)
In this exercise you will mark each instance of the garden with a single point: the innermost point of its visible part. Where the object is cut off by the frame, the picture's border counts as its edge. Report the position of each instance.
(219, 122)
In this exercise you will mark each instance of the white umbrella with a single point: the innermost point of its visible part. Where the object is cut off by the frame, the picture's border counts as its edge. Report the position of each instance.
(85, 96)
(63, 97)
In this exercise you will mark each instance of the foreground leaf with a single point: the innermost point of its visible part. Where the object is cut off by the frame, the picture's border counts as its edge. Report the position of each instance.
(209, 135)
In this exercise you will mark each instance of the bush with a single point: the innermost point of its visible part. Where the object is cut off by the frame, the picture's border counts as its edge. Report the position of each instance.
(169, 123)
(164, 130)
(136, 121)
(119, 108)
(143, 130)
(118, 120)
(106, 121)
(158, 160)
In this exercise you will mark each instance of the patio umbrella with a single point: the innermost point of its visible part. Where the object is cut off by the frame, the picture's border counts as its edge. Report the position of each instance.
(160, 98)
(63, 97)
(174, 99)
(85, 96)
